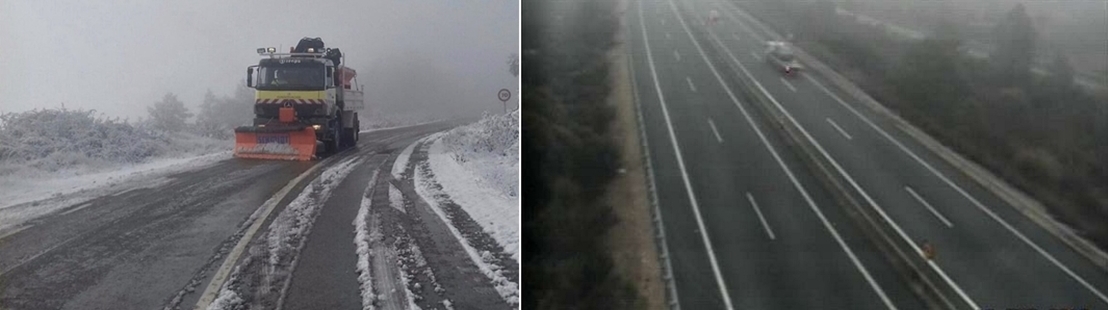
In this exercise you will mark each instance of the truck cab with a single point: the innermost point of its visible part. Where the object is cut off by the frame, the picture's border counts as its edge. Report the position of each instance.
(306, 88)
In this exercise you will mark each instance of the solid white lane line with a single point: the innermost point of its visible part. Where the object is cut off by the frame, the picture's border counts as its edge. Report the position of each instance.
(736, 37)
(840, 129)
(792, 178)
(676, 55)
(929, 207)
(760, 217)
(900, 232)
(684, 173)
(973, 200)
(756, 56)
(713, 125)
(787, 84)
(691, 86)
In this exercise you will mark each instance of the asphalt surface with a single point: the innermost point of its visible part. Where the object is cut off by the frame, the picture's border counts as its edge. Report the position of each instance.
(158, 246)
(996, 255)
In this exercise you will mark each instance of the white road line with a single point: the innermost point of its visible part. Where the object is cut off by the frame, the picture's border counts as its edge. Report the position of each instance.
(756, 56)
(667, 35)
(681, 165)
(760, 217)
(85, 205)
(840, 129)
(787, 84)
(676, 55)
(651, 177)
(691, 86)
(713, 125)
(224, 270)
(736, 37)
(10, 233)
(847, 176)
(973, 200)
(929, 207)
(811, 204)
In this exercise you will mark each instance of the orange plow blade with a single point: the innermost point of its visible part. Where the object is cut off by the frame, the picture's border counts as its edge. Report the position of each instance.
(288, 143)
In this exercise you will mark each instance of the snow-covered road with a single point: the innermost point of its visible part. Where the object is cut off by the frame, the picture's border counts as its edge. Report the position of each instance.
(157, 238)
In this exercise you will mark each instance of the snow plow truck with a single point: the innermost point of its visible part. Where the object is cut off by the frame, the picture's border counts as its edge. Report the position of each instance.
(305, 106)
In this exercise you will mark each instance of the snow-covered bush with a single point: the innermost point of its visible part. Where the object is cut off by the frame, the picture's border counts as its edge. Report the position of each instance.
(494, 142)
(53, 139)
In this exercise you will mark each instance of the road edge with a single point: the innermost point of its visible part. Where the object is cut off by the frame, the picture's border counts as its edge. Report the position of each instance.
(632, 193)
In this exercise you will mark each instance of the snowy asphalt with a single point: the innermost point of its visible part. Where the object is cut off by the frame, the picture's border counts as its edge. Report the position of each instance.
(158, 247)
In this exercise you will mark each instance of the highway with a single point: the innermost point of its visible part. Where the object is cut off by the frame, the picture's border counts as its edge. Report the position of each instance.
(747, 224)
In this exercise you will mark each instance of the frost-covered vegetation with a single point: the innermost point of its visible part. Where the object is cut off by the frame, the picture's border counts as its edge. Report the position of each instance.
(491, 148)
(47, 140)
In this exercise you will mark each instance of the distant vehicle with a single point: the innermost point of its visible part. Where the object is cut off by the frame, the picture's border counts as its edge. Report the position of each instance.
(780, 55)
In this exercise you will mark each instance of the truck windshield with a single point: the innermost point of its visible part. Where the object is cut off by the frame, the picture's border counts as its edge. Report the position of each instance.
(292, 77)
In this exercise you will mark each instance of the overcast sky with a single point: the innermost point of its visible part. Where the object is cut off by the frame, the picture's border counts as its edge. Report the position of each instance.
(120, 56)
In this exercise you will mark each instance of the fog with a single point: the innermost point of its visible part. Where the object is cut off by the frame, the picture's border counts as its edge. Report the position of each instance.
(120, 56)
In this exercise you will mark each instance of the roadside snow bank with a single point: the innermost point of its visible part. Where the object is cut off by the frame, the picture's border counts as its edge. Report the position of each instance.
(478, 166)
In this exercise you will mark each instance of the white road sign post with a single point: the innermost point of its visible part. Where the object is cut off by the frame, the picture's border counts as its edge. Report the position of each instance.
(504, 95)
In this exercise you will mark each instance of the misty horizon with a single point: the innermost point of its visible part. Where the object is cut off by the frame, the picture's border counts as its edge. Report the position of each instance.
(120, 58)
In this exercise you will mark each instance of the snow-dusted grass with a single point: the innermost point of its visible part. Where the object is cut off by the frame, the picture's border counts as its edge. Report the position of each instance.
(361, 241)
(478, 168)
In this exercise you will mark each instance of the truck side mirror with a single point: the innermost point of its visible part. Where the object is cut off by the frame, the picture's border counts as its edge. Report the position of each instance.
(250, 77)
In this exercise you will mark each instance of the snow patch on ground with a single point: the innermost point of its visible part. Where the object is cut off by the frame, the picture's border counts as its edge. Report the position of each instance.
(270, 148)
(361, 240)
(396, 199)
(478, 167)
(71, 187)
(508, 290)
(402, 161)
(400, 126)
